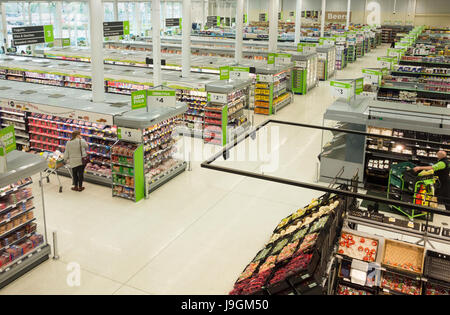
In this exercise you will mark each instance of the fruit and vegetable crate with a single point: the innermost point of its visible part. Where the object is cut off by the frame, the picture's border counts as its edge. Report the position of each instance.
(404, 257)
(437, 266)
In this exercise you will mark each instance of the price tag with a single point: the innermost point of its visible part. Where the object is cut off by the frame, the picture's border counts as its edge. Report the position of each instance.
(312, 285)
(305, 276)
(161, 98)
(392, 220)
(217, 98)
(19, 262)
(411, 224)
(128, 134)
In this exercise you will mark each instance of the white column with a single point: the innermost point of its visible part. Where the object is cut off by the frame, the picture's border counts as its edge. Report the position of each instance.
(116, 10)
(40, 13)
(298, 21)
(137, 18)
(186, 39)
(156, 41)
(273, 25)
(239, 30)
(203, 13)
(322, 22)
(164, 13)
(30, 19)
(96, 29)
(58, 19)
(349, 2)
(248, 13)
(4, 26)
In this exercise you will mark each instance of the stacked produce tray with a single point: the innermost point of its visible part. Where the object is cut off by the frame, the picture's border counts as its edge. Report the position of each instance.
(295, 258)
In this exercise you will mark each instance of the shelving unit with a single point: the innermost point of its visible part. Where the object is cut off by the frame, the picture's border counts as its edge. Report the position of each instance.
(304, 73)
(194, 118)
(154, 134)
(18, 119)
(341, 57)
(327, 62)
(225, 117)
(23, 237)
(271, 89)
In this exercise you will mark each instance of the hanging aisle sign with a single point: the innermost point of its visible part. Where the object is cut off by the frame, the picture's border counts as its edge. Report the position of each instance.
(161, 98)
(117, 28)
(239, 73)
(29, 35)
(173, 22)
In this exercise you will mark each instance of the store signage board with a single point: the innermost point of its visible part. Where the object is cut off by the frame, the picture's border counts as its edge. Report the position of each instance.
(336, 16)
(66, 42)
(128, 134)
(245, 18)
(224, 73)
(161, 98)
(8, 139)
(280, 15)
(217, 98)
(64, 112)
(116, 28)
(172, 22)
(237, 73)
(30, 35)
(359, 86)
(263, 17)
(138, 99)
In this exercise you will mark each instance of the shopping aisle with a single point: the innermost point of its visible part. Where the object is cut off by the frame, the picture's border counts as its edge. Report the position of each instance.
(194, 235)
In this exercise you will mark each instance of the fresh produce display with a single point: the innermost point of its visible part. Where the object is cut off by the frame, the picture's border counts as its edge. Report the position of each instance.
(358, 247)
(346, 290)
(290, 250)
(400, 284)
(433, 289)
(403, 256)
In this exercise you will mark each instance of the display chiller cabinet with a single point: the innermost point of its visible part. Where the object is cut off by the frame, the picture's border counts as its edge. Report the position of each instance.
(23, 232)
(326, 65)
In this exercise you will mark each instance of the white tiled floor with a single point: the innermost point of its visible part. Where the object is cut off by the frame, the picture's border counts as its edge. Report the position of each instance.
(195, 234)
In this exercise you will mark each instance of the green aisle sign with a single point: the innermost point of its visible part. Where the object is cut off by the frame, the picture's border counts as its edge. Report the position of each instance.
(126, 27)
(224, 73)
(359, 84)
(48, 33)
(66, 42)
(271, 58)
(139, 99)
(8, 138)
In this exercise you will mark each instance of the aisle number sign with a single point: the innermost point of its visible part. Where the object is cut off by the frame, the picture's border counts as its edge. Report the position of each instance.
(217, 98)
(386, 62)
(8, 140)
(138, 99)
(161, 98)
(30, 35)
(128, 134)
(242, 73)
(372, 76)
(282, 59)
(341, 89)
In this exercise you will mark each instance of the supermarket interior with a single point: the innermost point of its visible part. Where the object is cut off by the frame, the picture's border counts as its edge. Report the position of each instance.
(225, 147)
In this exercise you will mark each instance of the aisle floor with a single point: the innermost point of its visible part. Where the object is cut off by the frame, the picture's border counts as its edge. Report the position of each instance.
(194, 235)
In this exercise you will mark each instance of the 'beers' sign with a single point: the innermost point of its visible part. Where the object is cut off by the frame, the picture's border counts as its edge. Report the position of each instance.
(336, 16)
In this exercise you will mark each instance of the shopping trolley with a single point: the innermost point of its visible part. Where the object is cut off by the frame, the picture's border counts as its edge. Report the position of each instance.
(405, 185)
(53, 165)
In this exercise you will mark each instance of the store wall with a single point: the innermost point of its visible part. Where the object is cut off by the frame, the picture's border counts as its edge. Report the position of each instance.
(422, 12)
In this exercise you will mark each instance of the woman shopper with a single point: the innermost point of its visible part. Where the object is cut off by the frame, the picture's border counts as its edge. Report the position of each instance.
(75, 154)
